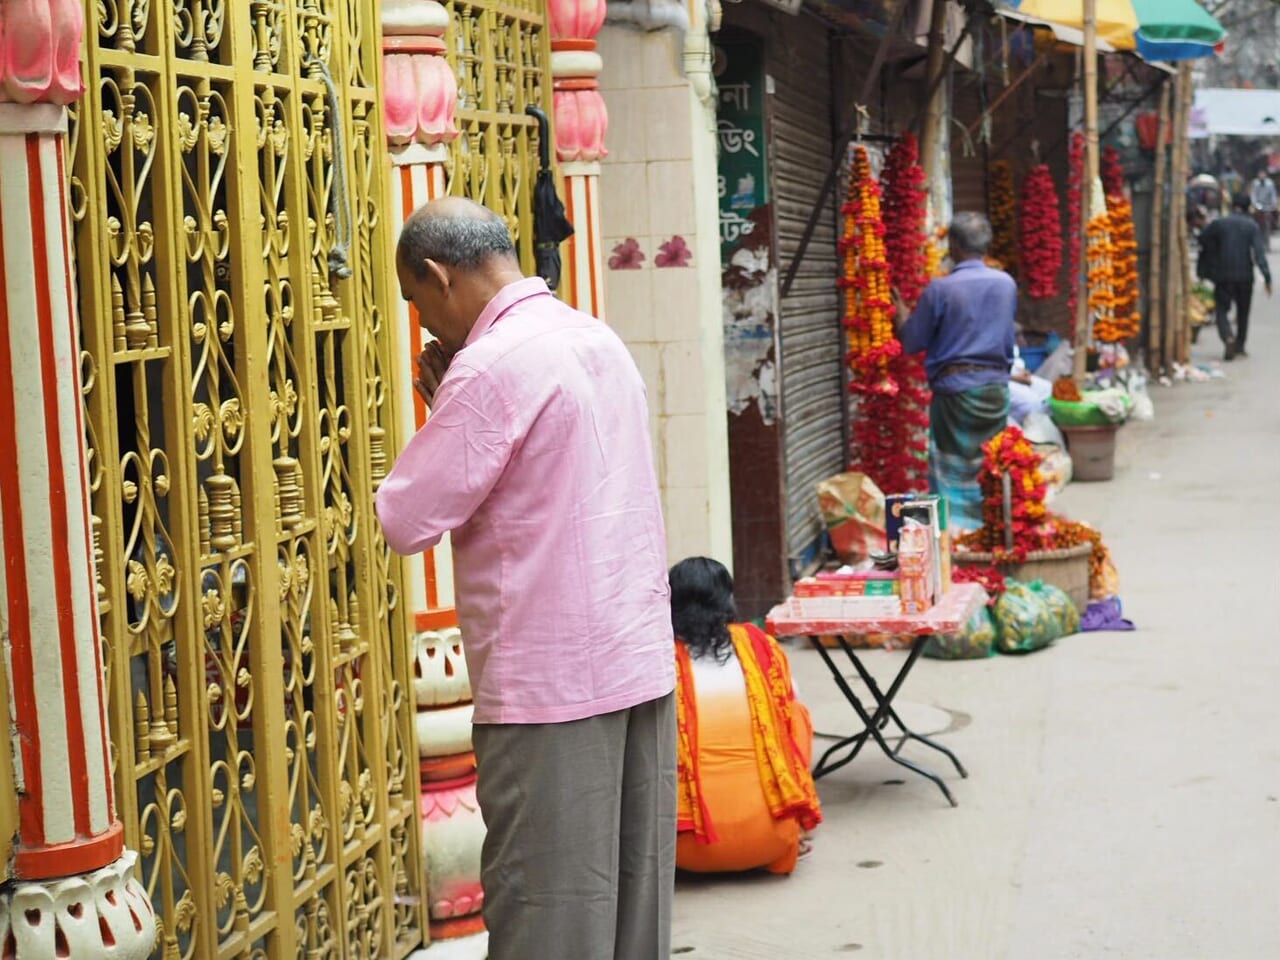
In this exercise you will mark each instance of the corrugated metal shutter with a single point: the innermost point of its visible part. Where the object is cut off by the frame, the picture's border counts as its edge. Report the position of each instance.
(812, 361)
(968, 158)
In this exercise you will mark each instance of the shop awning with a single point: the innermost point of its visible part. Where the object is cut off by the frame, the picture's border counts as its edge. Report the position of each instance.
(1235, 113)
(1061, 32)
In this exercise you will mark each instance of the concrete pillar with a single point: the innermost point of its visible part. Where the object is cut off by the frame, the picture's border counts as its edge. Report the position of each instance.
(70, 889)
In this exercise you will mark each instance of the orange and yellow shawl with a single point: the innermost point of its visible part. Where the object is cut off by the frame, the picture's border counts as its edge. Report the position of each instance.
(788, 784)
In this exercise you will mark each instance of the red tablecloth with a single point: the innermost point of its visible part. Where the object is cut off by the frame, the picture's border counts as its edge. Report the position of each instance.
(848, 616)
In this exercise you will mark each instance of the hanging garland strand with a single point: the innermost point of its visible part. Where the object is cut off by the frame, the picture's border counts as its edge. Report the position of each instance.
(868, 305)
(1041, 224)
(1126, 317)
(1004, 218)
(908, 251)
(1075, 197)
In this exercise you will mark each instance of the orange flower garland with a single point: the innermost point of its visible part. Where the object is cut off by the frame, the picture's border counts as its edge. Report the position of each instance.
(1065, 388)
(1004, 218)
(868, 304)
(1126, 319)
(1034, 527)
(1101, 279)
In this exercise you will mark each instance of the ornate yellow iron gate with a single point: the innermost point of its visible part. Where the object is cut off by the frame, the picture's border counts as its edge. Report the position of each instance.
(233, 282)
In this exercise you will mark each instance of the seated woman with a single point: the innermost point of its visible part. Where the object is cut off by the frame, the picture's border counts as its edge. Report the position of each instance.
(745, 742)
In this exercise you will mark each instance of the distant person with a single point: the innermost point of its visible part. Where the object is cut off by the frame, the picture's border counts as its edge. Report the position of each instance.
(746, 797)
(964, 323)
(1229, 249)
(1263, 197)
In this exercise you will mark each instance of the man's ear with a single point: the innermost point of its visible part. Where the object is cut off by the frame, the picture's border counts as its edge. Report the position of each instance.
(439, 272)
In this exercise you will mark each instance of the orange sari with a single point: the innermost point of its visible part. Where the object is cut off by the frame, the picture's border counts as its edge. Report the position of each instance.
(774, 730)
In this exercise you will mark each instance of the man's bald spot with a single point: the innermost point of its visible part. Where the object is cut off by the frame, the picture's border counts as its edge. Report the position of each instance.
(455, 232)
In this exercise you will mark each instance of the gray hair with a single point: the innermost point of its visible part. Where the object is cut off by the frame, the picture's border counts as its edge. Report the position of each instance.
(970, 233)
(465, 236)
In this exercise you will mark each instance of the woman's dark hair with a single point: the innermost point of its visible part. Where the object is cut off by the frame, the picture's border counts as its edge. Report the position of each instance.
(702, 607)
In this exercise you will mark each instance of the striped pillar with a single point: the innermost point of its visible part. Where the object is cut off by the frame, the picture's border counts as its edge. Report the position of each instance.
(581, 122)
(583, 281)
(75, 894)
(417, 175)
(65, 805)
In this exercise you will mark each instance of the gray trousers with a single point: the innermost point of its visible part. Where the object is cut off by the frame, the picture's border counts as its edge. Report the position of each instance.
(579, 858)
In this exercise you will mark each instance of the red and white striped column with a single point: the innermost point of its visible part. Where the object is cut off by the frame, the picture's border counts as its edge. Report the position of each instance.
(69, 839)
(420, 98)
(581, 122)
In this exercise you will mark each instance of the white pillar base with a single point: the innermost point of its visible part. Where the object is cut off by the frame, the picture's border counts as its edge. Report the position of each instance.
(464, 948)
(104, 915)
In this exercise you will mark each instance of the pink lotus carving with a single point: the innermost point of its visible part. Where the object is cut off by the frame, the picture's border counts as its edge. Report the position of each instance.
(40, 50)
(576, 19)
(452, 835)
(437, 99)
(582, 121)
(420, 98)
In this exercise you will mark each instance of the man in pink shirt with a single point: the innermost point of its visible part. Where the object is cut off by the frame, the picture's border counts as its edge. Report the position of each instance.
(536, 455)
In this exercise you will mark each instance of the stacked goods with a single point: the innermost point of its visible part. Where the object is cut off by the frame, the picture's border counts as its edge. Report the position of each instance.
(1004, 218)
(1041, 234)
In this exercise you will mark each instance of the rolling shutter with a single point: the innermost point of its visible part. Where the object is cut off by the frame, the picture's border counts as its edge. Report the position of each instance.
(812, 351)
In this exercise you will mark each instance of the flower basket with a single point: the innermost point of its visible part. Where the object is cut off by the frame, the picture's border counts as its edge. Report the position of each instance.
(1066, 569)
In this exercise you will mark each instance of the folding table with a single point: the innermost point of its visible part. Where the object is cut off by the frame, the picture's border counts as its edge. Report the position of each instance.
(842, 617)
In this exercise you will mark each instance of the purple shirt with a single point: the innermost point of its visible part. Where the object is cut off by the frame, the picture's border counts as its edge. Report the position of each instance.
(537, 456)
(965, 317)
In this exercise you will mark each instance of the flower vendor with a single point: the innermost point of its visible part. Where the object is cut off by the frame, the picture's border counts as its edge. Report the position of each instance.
(965, 324)
(746, 797)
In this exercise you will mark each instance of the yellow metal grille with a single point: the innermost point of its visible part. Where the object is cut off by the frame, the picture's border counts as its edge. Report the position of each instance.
(500, 51)
(233, 277)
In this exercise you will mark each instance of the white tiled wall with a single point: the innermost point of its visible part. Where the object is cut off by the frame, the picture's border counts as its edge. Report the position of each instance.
(659, 182)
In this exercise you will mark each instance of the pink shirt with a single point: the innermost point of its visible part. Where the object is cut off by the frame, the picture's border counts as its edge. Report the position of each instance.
(537, 456)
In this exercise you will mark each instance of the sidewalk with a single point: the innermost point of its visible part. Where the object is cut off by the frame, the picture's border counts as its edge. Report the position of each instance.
(1124, 797)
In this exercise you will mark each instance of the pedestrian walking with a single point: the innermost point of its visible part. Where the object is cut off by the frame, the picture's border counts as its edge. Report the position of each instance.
(965, 324)
(536, 455)
(1230, 247)
(1263, 197)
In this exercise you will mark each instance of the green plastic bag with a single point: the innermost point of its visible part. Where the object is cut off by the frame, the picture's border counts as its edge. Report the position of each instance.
(1024, 620)
(1064, 611)
(976, 640)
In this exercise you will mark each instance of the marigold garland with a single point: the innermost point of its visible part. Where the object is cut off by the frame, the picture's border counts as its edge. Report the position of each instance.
(1004, 218)
(1066, 388)
(1075, 197)
(1126, 319)
(1041, 225)
(1034, 528)
(869, 309)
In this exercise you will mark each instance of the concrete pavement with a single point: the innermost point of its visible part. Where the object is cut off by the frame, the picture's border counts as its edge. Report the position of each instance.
(1124, 797)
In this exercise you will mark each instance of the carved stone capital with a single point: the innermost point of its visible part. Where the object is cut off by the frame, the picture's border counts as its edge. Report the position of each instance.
(104, 914)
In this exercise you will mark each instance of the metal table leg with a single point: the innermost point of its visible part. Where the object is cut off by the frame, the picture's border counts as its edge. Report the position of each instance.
(873, 723)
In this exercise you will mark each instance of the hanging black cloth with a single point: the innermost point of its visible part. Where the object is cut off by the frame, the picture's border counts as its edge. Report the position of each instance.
(550, 226)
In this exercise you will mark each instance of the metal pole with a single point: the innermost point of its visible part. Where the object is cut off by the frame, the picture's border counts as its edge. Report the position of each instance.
(935, 103)
(1155, 295)
(1090, 174)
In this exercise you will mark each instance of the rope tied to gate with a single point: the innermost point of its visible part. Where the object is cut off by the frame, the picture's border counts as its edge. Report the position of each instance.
(339, 194)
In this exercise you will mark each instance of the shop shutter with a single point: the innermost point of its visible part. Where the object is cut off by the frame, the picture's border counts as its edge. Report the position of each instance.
(812, 352)
(968, 157)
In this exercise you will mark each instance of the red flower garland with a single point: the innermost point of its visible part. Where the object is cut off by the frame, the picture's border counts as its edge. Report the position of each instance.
(1034, 527)
(1112, 173)
(1041, 225)
(1075, 221)
(906, 246)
